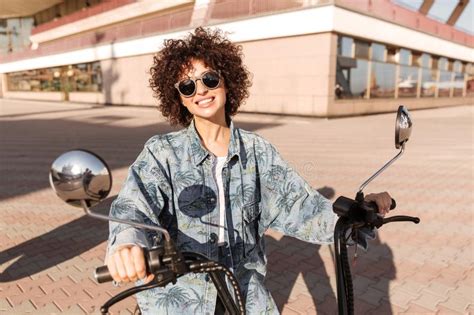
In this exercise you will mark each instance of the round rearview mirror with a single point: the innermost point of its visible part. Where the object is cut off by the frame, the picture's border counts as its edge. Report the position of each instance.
(402, 126)
(80, 175)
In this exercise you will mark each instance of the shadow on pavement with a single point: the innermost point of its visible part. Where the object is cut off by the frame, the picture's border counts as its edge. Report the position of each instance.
(371, 275)
(56, 246)
(28, 147)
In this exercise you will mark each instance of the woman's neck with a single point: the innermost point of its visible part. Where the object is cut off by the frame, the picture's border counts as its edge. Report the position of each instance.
(214, 135)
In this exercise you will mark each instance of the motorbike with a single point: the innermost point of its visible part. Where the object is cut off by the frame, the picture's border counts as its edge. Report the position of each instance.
(82, 179)
(358, 218)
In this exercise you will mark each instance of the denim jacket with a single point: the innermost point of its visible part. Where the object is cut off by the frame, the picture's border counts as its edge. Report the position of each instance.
(171, 184)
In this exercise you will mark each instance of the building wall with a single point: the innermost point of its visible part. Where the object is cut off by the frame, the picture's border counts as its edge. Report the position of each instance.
(352, 107)
(126, 80)
(342, 108)
(2, 87)
(39, 96)
(290, 74)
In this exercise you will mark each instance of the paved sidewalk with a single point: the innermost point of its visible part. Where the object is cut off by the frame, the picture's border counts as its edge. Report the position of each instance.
(48, 249)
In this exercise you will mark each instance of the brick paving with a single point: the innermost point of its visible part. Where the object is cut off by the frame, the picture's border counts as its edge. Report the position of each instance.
(49, 250)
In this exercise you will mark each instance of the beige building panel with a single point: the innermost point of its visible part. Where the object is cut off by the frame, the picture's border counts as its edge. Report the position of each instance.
(286, 104)
(357, 107)
(87, 97)
(2, 85)
(289, 74)
(39, 96)
(303, 45)
(126, 80)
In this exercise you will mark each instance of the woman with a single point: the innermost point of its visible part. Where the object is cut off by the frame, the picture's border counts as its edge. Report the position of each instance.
(216, 188)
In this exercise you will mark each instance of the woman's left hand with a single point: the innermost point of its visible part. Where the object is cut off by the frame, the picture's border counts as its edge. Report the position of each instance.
(383, 201)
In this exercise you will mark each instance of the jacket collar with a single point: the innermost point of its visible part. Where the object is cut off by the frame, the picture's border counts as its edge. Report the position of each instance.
(199, 153)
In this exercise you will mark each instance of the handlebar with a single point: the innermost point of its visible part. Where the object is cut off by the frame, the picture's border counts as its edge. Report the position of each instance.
(153, 265)
(167, 264)
(374, 206)
(354, 214)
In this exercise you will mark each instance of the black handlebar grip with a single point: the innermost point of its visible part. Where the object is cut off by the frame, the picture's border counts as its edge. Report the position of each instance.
(102, 274)
(373, 205)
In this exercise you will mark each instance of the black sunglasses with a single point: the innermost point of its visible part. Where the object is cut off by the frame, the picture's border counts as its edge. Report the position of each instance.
(187, 87)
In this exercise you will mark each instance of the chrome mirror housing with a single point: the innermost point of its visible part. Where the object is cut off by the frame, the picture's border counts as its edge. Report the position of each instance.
(82, 179)
(403, 126)
(80, 175)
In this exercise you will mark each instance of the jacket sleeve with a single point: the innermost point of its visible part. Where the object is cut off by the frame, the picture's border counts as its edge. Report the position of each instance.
(289, 204)
(142, 198)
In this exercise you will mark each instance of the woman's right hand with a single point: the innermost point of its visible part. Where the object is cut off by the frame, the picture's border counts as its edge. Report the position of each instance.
(127, 264)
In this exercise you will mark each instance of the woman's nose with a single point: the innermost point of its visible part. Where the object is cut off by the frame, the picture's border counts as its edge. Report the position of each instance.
(200, 87)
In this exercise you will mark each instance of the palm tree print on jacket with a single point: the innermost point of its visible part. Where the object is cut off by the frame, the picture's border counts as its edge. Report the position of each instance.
(171, 184)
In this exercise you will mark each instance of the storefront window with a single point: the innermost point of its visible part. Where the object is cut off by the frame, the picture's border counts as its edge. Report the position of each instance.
(470, 80)
(425, 61)
(87, 77)
(404, 57)
(351, 77)
(445, 84)
(407, 81)
(428, 83)
(378, 52)
(458, 84)
(344, 46)
(382, 80)
(398, 71)
(443, 63)
(73, 78)
(457, 66)
(34, 80)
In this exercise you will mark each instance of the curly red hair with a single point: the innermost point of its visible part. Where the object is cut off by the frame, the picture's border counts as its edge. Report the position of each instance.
(216, 52)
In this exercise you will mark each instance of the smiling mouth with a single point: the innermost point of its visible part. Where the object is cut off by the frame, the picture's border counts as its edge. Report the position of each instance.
(205, 101)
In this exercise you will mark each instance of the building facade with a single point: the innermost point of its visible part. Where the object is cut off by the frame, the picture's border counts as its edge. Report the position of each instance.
(324, 58)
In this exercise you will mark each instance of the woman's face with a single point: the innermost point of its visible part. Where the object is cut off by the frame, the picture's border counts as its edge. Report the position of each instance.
(206, 103)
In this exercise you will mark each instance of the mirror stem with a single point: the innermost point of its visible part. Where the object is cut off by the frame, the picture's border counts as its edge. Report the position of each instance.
(402, 149)
(135, 224)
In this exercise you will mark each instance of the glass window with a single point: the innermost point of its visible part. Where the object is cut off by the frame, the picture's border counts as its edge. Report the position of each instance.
(351, 78)
(361, 49)
(470, 80)
(444, 85)
(457, 66)
(382, 83)
(442, 63)
(87, 77)
(458, 84)
(428, 82)
(81, 77)
(15, 34)
(33, 80)
(404, 57)
(378, 52)
(425, 60)
(407, 81)
(344, 47)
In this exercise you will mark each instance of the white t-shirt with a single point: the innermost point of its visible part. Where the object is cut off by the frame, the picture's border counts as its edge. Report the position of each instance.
(220, 187)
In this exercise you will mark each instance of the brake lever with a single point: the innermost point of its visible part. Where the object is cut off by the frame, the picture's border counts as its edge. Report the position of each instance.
(158, 281)
(401, 218)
